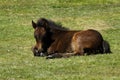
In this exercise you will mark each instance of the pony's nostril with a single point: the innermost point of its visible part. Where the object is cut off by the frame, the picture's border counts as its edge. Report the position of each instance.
(36, 51)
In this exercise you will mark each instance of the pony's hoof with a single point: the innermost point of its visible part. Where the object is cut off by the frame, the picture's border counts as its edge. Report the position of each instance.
(42, 54)
(50, 57)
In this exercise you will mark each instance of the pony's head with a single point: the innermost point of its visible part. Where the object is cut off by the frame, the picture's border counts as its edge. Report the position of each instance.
(40, 33)
(43, 31)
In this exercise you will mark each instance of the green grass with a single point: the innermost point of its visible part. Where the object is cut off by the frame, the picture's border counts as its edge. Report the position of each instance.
(16, 39)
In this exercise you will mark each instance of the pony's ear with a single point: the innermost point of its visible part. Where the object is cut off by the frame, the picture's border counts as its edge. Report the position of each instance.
(34, 24)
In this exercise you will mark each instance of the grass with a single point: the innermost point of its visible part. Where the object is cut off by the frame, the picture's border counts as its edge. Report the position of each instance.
(16, 38)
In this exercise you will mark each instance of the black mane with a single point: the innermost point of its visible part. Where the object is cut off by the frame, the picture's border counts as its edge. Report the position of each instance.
(51, 24)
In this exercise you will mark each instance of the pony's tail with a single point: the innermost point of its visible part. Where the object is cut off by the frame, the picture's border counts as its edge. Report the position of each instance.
(106, 47)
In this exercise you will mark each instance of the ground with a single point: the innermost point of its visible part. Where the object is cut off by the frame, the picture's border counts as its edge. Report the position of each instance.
(16, 39)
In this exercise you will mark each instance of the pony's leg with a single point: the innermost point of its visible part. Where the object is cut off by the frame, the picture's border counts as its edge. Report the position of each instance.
(77, 48)
(63, 55)
(55, 55)
(79, 51)
(50, 50)
(77, 45)
(53, 48)
(60, 55)
(66, 55)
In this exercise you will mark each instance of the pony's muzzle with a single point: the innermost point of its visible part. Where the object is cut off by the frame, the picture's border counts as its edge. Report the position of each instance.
(37, 52)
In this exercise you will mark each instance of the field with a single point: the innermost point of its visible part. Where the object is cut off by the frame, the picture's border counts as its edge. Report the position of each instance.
(16, 39)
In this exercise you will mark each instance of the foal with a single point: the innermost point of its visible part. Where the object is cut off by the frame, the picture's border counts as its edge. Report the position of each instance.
(55, 41)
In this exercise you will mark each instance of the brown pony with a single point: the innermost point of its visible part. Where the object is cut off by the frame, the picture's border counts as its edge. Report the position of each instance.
(55, 41)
